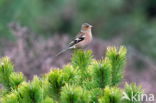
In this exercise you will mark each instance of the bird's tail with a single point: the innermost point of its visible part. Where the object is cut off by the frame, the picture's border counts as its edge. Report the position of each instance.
(64, 50)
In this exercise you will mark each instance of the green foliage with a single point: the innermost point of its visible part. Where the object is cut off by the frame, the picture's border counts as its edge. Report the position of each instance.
(48, 100)
(17, 96)
(95, 94)
(74, 94)
(85, 80)
(111, 95)
(81, 59)
(102, 74)
(70, 74)
(11, 98)
(36, 90)
(56, 81)
(15, 79)
(8, 78)
(117, 58)
(26, 93)
(6, 68)
(132, 90)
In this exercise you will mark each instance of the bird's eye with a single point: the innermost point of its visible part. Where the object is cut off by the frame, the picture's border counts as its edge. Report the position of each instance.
(87, 26)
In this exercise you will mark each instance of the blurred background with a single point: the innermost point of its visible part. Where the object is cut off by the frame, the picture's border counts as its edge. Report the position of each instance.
(30, 31)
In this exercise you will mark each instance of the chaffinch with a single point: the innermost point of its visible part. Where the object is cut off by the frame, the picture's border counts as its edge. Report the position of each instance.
(83, 38)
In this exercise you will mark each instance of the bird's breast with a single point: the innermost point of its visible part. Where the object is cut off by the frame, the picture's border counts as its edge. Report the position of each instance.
(86, 41)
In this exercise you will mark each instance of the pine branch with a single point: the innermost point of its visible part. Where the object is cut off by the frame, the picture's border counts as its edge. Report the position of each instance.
(85, 80)
(111, 95)
(74, 94)
(16, 79)
(118, 60)
(56, 82)
(6, 68)
(132, 90)
(81, 59)
(102, 73)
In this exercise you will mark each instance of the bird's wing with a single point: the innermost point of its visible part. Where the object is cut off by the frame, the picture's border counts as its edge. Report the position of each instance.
(80, 37)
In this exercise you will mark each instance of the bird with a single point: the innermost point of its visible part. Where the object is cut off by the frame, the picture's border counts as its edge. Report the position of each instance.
(83, 38)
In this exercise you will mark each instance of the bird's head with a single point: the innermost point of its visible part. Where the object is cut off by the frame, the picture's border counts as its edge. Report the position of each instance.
(86, 27)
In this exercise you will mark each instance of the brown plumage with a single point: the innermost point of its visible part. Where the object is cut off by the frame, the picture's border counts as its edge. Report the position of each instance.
(82, 39)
